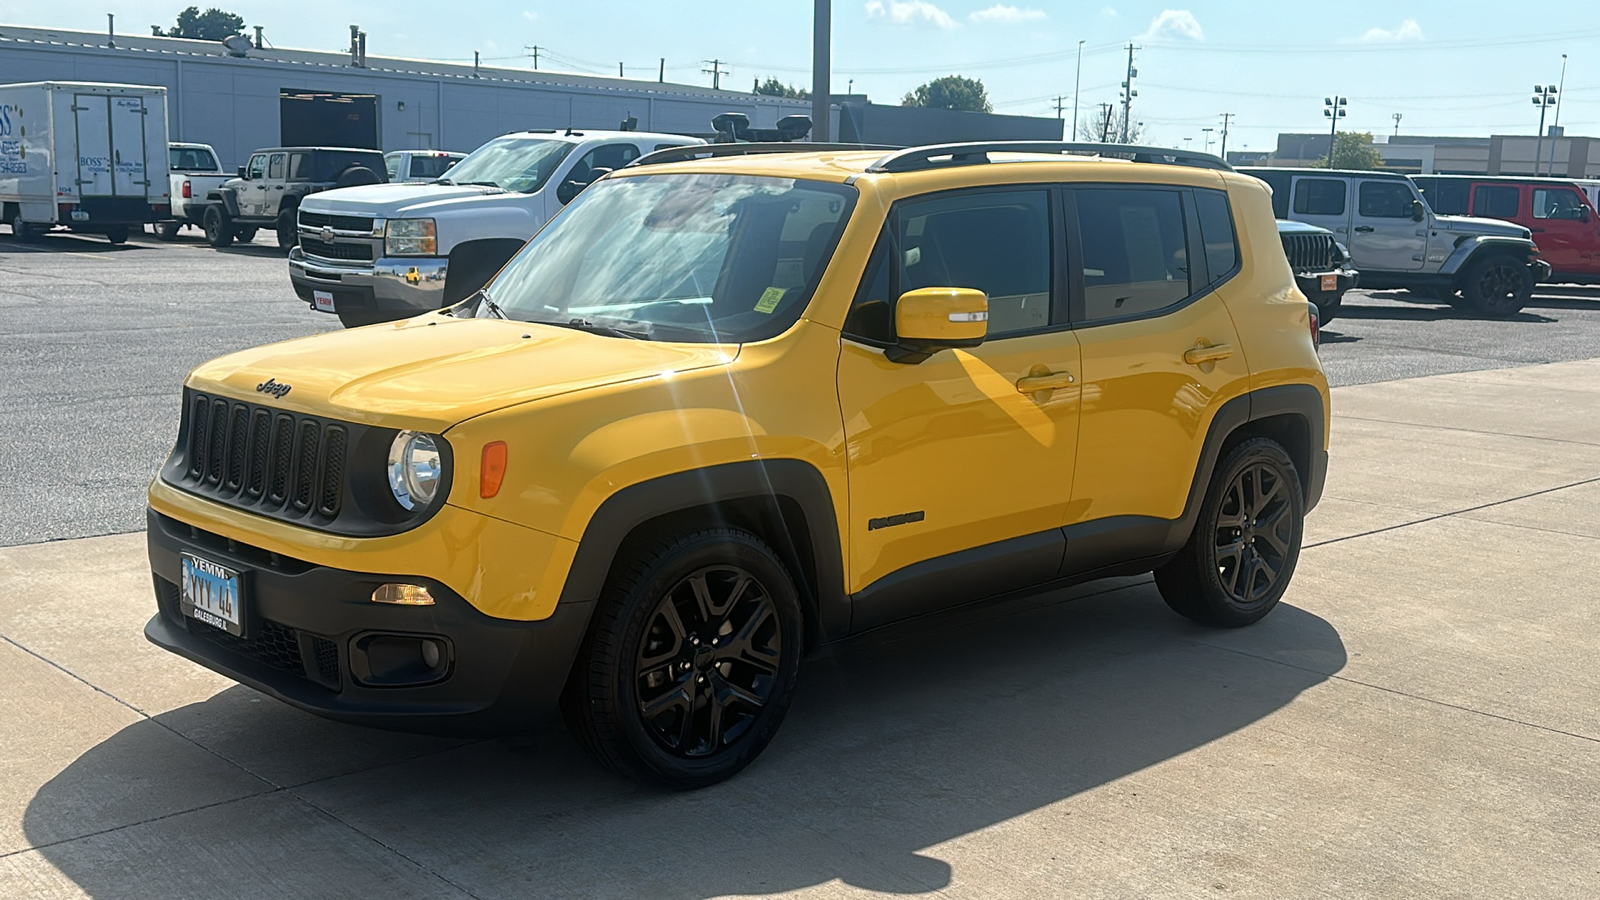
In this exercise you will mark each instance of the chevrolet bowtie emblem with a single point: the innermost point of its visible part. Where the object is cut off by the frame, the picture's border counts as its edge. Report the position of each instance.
(413, 276)
(327, 234)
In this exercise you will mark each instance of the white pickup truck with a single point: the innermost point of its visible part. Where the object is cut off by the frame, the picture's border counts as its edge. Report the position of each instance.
(195, 173)
(389, 251)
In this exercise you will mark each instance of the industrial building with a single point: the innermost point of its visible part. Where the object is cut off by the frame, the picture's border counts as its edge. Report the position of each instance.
(1500, 154)
(241, 95)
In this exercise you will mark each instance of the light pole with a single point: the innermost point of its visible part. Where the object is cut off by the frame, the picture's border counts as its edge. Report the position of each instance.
(1544, 98)
(1076, 85)
(1334, 108)
(1396, 117)
(1208, 137)
(1555, 126)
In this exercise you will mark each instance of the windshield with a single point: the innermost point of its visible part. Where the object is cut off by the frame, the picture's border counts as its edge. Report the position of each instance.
(697, 258)
(512, 163)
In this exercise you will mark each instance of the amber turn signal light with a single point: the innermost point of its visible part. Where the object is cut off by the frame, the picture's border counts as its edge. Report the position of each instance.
(493, 470)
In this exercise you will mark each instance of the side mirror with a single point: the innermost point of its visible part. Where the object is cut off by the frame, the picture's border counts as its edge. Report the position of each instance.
(571, 188)
(1583, 214)
(241, 173)
(1419, 210)
(928, 320)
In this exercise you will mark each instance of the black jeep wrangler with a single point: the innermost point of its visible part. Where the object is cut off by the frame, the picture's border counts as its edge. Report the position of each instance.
(269, 188)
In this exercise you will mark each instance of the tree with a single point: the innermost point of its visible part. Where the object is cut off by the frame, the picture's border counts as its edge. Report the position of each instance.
(1105, 125)
(212, 25)
(951, 92)
(1352, 150)
(772, 87)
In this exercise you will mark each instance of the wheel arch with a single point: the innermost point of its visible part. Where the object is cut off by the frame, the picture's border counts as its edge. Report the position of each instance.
(784, 502)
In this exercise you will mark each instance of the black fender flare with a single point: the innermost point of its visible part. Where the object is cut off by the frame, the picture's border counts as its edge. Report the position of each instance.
(792, 491)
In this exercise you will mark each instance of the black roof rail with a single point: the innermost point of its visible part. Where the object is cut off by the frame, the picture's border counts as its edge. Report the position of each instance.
(977, 153)
(709, 151)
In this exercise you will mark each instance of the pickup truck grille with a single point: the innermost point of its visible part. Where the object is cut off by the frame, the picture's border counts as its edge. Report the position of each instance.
(313, 220)
(261, 459)
(336, 249)
(1309, 252)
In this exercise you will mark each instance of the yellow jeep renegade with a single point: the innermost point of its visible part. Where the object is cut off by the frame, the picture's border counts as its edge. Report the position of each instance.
(733, 404)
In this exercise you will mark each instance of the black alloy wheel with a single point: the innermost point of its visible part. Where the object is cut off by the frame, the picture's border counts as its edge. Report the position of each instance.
(218, 228)
(709, 661)
(691, 660)
(1497, 287)
(1238, 560)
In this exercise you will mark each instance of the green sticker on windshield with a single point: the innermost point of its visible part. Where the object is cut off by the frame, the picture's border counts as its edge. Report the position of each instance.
(769, 299)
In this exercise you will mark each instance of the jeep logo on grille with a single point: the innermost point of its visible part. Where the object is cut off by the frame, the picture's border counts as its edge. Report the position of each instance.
(274, 388)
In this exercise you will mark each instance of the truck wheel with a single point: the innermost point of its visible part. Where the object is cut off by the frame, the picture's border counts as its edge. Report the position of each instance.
(288, 235)
(168, 231)
(244, 234)
(1496, 287)
(691, 661)
(218, 228)
(1243, 550)
(24, 232)
(117, 234)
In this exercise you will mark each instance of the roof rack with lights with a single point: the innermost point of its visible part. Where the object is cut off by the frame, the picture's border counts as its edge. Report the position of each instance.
(977, 153)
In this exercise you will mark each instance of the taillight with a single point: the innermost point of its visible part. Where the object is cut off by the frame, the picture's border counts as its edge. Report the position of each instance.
(1316, 327)
(187, 192)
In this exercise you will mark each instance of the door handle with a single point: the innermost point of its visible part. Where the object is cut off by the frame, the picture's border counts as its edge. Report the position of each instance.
(1200, 355)
(1044, 381)
(279, 187)
(1364, 228)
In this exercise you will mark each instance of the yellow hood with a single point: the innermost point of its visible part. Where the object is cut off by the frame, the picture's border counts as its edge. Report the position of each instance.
(435, 371)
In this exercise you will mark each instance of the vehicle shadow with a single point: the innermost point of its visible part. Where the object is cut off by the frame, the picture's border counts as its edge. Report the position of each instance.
(67, 242)
(1327, 335)
(1423, 310)
(899, 740)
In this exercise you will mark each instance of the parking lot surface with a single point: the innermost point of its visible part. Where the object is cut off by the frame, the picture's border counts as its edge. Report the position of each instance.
(1419, 719)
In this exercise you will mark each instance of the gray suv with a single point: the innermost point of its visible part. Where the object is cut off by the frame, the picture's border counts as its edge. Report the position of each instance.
(1398, 242)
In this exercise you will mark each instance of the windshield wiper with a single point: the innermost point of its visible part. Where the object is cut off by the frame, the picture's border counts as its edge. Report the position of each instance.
(608, 330)
(490, 305)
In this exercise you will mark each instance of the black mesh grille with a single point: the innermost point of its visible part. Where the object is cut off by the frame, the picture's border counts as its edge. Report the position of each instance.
(327, 655)
(258, 458)
(1309, 252)
(270, 643)
(343, 223)
(336, 249)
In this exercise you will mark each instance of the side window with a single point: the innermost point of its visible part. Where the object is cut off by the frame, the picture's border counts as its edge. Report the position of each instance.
(258, 166)
(1556, 203)
(299, 167)
(1495, 201)
(997, 242)
(1447, 197)
(605, 156)
(391, 164)
(1134, 251)
(1319, 197)
(872, 313)
(1216, 230)
(1384, 200)
(275, 167)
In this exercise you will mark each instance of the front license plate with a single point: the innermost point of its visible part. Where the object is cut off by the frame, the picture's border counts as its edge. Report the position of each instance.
(323, 300)
(210, 593)
(1330, 282)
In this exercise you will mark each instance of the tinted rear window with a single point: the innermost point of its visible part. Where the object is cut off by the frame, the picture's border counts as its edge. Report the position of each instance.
(1495, 201)
(192, 159)
(1447, 197)
(1216, 229)
(431, 166)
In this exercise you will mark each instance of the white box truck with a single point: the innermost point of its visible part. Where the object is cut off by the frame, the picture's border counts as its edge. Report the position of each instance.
(90, 157)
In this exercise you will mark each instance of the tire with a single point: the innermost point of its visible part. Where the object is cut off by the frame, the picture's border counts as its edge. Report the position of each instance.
(1496, 287)
(1328, 305)
(117, 234)
(218, 227)
(690, 630)
(168, 231)
(1259, 535)
(24, 232)
(288, 234)
(244, 234)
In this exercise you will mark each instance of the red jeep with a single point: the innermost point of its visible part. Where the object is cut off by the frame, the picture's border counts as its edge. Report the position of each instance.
(1556, 210)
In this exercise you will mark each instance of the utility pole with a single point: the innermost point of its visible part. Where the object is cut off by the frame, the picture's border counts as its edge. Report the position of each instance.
(1060, 101)
(1544, 98)
(534, 52)
(619, 71)
(1128, 93)
(661, 76)
(1077, 84)
(821, 69)
(1334, 108)
(1105, 124)
(716, 71)
(1555, 127)
(1397, 117)
(1224, 151)
(474, 64)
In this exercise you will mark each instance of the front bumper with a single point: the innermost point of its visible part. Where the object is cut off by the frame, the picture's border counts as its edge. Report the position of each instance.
(1310, 283)
(313, 639)
(385, 289)
(1541, 270)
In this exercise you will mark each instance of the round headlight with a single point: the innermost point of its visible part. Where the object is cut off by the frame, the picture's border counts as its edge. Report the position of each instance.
(414, 469)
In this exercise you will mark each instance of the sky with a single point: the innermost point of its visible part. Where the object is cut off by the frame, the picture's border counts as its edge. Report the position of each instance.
(1458, 68)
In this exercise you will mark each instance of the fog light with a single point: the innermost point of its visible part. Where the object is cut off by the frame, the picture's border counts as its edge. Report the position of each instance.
(404, 595)
(430, 654)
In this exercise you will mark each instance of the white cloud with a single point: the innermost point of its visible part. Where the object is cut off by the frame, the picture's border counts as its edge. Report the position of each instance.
(909, 12)
(1173, 23)
(530, 15)
(1006, 15)
(1108, 12)
(1409, 30)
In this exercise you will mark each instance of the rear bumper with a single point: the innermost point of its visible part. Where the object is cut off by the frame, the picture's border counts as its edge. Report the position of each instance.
(1310, 283)
(392, 288)
(314, 639)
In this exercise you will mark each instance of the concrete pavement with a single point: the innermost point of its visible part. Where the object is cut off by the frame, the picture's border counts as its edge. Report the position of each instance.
(1420, 719)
